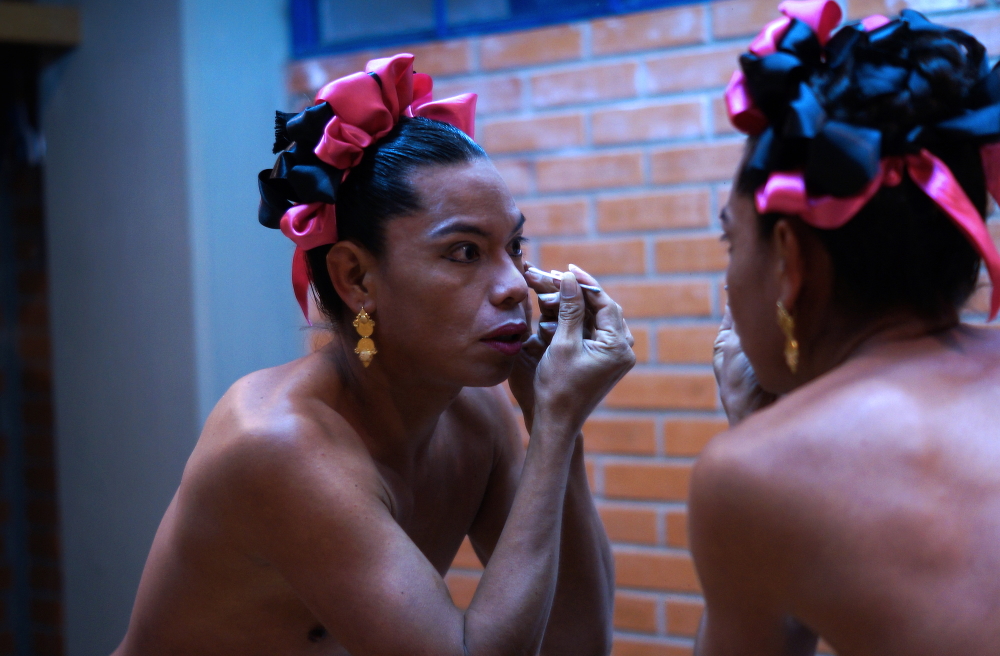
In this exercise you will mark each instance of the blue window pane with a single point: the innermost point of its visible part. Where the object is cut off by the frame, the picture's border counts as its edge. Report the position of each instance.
(477, 11)
(328, 26)
(340, 21)
(558, 7)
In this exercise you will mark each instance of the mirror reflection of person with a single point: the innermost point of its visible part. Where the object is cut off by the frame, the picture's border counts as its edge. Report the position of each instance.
(857, 494)
(326, 498)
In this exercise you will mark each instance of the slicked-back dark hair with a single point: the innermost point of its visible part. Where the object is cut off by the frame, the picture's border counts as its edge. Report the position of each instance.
(379, 188)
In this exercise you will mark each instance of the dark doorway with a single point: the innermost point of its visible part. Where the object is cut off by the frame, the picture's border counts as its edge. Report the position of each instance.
(30, 585)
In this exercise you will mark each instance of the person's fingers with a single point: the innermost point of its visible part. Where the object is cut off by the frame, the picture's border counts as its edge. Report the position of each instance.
(541, 284)
(583, 276)
(571, 310)
(727, 319)
(628, 333)
(608, 317)
(596, 301)
(547, 330)
(534, 347)
(549, 303)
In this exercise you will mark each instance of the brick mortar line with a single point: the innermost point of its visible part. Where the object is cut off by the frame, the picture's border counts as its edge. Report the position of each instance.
(673, 640)
(641, 504)
(625, 190)
(679, 96)
(610, 104)
(616, 414)
(628, 147)
(612, 237)
(634, 459)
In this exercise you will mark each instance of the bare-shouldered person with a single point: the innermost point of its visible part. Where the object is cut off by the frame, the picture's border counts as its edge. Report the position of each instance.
(326, 498)
(857, 495)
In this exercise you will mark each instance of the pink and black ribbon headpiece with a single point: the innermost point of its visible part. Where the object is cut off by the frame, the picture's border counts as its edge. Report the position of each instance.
(318, 147)
(825, 170)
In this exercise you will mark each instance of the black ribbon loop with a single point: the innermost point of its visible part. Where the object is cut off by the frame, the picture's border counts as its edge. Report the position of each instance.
(298, 175)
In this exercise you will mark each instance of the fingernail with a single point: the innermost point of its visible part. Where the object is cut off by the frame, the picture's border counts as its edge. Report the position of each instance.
(547, 325)
(568, 289)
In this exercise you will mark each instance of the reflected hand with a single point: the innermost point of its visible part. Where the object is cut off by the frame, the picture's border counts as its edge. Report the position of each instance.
(739, 390)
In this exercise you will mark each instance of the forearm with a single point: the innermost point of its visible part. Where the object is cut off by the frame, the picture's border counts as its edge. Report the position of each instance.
(580, 621)
(511, 606)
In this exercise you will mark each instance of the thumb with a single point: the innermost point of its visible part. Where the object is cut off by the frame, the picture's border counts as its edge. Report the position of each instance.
(571, 309)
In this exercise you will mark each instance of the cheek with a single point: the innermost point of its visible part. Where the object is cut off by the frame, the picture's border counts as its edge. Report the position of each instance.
(425, 313)
(752, 303)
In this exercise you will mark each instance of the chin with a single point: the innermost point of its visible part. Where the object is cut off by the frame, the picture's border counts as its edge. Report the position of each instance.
(487, 375)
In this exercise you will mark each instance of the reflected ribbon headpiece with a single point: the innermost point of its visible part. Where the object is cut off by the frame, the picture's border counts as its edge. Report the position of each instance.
(318, 147)
(824, 170)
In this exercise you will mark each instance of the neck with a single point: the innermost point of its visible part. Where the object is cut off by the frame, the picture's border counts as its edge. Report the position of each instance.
(394, 410)
(839, 337)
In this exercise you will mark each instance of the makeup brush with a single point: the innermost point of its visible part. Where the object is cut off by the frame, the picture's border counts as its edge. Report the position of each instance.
(558, 276)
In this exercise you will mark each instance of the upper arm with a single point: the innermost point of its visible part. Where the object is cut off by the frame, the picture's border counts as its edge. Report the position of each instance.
(508, 460)
(316, 513)
(740, 550)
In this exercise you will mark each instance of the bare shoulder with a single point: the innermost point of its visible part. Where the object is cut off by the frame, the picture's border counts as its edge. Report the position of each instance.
(867, 459)
(266, 438)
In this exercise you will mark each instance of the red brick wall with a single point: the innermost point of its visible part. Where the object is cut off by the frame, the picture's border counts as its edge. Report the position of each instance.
(613, 137)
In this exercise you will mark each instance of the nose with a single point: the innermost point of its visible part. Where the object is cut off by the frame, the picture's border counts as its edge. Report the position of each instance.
(509, 287)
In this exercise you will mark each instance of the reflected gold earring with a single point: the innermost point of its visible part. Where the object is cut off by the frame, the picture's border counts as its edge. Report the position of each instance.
(787, 324)
(366, 347)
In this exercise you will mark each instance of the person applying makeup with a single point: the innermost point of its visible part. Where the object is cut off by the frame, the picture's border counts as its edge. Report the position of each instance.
(326, 498)
(857, 494)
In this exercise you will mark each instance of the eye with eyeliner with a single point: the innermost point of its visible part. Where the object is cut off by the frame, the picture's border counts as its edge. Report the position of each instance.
(517, 246)
(469, 250)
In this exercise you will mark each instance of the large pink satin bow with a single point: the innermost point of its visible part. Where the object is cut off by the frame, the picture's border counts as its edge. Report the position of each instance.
(365, 110)
(785, 193)
(821, 15)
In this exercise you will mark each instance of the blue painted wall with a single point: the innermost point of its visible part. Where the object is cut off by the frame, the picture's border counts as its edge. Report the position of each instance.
(164, 290)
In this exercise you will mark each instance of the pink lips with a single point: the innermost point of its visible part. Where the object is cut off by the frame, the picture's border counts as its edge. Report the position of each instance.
(506, 338)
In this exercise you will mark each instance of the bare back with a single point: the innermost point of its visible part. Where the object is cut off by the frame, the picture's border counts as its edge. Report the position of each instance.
(868, 502)
(207, 589)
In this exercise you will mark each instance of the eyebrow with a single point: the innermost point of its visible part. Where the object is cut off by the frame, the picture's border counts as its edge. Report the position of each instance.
(520, 224)
(467, 228)
(458, 226)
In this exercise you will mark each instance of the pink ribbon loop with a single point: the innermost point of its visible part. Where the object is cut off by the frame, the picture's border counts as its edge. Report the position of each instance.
(821, 15)
(990, 154)
(743, 114)
(459, 111)
(935, 178)
(785, 193)
(309, 226)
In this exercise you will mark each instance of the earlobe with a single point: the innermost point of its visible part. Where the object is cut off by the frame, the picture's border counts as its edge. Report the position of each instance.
(349, 267)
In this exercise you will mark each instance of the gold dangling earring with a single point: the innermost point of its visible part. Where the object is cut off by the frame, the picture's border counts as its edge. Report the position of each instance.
(366, 347)
(787, 324)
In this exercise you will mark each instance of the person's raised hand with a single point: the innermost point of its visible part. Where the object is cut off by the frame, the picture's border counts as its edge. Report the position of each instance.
(739, 390)
(577, 370)
(522, 377)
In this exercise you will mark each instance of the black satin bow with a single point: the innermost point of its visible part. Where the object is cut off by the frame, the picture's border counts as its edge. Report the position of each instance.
(838, 158)
(298, 175)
